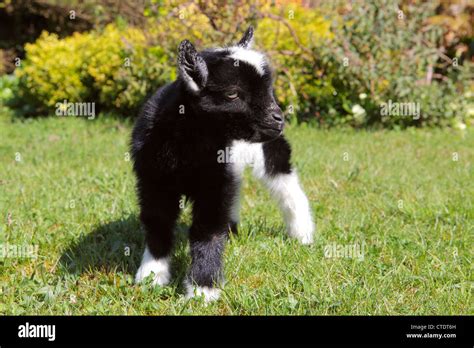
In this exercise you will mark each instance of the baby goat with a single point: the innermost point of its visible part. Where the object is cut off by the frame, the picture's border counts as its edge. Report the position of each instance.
(194, 137)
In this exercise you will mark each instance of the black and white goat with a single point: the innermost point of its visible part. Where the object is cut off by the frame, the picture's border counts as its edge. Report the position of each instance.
(194, 138)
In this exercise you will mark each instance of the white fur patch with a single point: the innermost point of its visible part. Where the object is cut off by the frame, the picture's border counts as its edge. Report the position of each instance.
(159, 267)
(210, 294)
(285, 188)
(247, 154)
(244, 154)
(254, 58)
(294, 205)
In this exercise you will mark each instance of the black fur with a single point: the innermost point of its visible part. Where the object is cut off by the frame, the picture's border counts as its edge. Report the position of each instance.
(175, 144)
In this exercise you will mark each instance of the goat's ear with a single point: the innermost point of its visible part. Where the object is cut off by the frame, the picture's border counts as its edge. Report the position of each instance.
(247, 40)
(192, 68)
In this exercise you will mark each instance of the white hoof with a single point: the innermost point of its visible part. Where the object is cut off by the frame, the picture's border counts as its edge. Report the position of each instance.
(159, 268)
(210, 294)
(303, 231)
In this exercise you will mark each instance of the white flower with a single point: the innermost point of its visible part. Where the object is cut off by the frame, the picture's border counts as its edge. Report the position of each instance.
(358, 110)
(359, 113)
(460, 125)
(470, 111)
(362, 96)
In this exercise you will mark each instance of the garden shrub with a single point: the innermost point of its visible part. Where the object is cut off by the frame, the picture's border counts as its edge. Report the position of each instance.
(377, 56)
(113, 68)
(290, 55)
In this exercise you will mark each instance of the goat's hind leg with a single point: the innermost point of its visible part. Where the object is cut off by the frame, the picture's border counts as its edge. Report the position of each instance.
(159, 211)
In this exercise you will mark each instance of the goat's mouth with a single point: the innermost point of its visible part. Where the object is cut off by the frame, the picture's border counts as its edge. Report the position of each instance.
(270, 133)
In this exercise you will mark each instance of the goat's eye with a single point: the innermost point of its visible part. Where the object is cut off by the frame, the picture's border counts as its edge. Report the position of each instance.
(232, 95)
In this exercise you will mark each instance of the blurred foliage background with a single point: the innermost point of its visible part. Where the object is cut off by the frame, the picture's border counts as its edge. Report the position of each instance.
(336, 62)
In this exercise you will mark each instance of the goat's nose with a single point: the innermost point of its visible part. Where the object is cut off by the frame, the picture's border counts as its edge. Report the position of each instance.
(277, 117)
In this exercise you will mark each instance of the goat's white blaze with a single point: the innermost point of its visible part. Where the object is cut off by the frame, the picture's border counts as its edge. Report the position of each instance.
(254, 58)
(159, 267)
(285, 188)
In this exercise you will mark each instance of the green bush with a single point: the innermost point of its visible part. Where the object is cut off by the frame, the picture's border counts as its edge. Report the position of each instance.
(114, 68)
(377, 56)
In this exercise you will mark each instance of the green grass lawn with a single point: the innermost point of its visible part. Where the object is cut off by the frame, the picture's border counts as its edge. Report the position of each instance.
(402, 196)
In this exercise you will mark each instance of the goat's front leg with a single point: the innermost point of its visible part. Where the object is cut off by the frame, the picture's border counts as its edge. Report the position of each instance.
(281, 179)
(208, 235)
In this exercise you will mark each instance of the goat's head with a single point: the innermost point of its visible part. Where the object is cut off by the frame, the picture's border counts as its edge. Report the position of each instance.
(232, 88)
